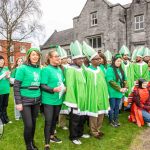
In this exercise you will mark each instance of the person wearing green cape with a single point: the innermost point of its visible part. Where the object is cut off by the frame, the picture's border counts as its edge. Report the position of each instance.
(127, 66)
(76, 96)
(62, 121)
(97, 92)
(140, 67)
(116, 81)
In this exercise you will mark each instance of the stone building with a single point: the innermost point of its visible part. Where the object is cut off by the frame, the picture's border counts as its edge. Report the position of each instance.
(107, 26)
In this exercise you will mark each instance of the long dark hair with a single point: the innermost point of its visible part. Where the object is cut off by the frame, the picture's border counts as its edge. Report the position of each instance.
(120, 69)
(104, 58)
(16, 63)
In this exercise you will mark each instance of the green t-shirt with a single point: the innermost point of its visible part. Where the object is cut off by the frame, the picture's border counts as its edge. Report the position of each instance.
(29, 76)
(4, 82)
(110, 76)
(52, 77)
(13, 73)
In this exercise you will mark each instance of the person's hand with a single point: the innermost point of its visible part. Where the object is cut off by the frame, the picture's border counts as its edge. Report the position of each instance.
(7, 74)
(123, 90)
(57, 89)
(19, 107)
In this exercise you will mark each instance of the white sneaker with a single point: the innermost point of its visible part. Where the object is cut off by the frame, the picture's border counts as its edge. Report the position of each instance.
(86, 136)
(10, 122)
(65, 128)
(148, 124)
(77, 142)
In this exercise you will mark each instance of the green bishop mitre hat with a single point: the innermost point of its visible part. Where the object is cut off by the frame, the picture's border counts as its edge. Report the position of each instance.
(124, 50)
(31, 50)
(76, 50)
(108, 55)
(133, 58)
(64, 53)
(61, 52)
(88, 51)
(140, 51)
(146, 52)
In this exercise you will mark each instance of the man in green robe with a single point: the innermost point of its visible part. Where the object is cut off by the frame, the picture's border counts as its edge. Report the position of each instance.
(76, 95)
(97, 92)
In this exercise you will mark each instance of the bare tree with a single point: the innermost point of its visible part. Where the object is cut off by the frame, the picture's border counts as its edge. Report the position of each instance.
(18, 21)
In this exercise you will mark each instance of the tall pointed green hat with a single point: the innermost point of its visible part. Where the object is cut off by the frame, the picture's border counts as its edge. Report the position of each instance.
(61, 52)
(108, 55)
(133, 58)
(124, 50)
(146, 52)
(140, 51)
(76, 50)
(88, 51)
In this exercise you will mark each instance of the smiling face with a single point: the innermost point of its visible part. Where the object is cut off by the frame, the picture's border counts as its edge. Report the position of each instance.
(19, 61)
(118, 62)
(2, 62)
(96, 61)
(54, 58)
(78, 61)
(34, 57)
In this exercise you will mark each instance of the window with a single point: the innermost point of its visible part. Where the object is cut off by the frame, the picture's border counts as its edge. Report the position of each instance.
(93, 18)
(12, 48)
(11, 59)
(139, 22)
(95, 42)
(22, 49)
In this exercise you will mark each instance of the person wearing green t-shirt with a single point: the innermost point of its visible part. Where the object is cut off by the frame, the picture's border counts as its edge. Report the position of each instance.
(27, 94)
(116, 81)
(52, 85)
(4, 90)
(19, 61)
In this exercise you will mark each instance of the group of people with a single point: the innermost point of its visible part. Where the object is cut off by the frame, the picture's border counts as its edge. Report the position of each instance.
(92, 85)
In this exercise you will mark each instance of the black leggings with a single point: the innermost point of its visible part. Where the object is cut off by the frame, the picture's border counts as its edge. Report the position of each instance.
(51, 113)
(29, 115)
(3, 108)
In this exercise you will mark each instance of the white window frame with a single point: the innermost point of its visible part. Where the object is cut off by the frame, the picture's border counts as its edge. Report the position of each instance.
(93, 19)
(23, 49)
(95, 38)
(139, 22)
(11, 59)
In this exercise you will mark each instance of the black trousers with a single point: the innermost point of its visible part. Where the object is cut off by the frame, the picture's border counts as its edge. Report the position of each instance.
(3, 108)
(51, 113)
(29, 115)
(76, 125)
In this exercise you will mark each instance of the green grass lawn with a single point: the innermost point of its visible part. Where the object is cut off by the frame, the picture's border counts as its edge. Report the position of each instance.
(114, 139)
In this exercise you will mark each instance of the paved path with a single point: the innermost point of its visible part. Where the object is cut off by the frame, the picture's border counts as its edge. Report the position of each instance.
(142, 141)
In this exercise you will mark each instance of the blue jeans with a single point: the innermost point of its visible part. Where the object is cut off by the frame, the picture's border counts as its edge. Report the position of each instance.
(146, 116)
(114, 109)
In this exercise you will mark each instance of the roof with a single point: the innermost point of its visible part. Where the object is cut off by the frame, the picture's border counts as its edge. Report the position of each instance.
(61, 38)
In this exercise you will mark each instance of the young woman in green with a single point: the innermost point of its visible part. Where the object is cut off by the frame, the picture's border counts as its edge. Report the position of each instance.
(27, 94)
(4, 90)
(19, 61)
(52, 92)
(116, 81)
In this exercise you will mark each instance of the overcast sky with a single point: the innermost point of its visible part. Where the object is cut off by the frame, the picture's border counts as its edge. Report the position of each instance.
(58, 14)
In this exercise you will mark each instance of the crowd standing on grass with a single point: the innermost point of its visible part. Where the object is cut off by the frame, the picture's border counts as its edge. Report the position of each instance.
(83, 88)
